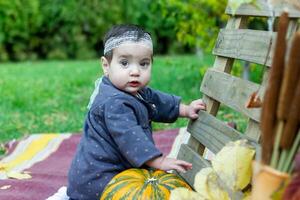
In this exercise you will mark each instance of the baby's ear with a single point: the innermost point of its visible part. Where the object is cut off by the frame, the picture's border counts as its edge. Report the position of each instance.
(105, 65)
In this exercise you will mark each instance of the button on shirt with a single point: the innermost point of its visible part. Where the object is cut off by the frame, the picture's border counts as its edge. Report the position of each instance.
(117, 136)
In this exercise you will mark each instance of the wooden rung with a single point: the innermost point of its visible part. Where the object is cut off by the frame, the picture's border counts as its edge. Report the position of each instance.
(187, 154)
(253, 130)
(212, 132)
(245, 44)
(231, 91)
(264, 10)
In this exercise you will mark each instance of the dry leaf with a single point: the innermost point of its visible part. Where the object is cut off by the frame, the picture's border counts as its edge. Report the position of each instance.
(208, 185)
(247, 196)
(17, 175)
(233, 164)
(5, 187)
(254, 101)
(185, 194)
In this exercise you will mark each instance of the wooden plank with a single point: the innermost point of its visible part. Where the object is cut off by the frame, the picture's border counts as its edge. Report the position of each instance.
(225, 64)
(212, 132)
(264, 10)
(232, 91)
(245, 44)
(253, 130)
(222, 64)
(187, 154)
(253, 127)
(212, 105)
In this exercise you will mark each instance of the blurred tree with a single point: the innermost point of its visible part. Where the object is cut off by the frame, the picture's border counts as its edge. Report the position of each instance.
(18, 19)
(55, 28)
(74, 28)
(197, 21)
(58, 29)
(149, 14)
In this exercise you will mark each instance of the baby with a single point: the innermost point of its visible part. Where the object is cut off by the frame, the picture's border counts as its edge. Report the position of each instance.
(117, 130)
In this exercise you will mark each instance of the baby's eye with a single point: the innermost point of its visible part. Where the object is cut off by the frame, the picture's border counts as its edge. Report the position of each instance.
(145, 64)
(124, 63)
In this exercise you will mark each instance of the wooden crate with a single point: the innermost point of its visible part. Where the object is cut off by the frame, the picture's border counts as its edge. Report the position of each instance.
(220, 87)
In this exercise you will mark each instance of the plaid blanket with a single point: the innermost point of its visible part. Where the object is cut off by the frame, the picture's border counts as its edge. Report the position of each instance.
(37, 166)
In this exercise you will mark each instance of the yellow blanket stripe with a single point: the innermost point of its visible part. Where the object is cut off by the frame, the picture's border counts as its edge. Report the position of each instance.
(33, 149)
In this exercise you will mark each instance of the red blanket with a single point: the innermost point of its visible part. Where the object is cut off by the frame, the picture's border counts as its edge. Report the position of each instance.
(47, 160)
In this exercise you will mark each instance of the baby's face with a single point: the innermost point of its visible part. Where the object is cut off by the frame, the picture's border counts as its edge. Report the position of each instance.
(130, 67)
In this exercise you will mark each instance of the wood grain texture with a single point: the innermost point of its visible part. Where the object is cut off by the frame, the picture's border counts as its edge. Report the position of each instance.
(222, 64)
(253, 130)
(187, 154)
(212, 132)
(245, 44)
(231, 91)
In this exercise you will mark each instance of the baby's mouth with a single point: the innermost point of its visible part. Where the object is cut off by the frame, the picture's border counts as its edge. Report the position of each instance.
(134, 83)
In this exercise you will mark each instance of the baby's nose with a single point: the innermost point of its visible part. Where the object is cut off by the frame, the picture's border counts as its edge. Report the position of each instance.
(135, 71)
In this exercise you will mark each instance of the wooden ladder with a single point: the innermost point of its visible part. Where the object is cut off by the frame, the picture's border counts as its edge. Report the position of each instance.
(218, 86)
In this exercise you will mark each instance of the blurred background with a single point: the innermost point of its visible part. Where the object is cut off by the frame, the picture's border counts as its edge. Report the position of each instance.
(50, 50)
(73, 29)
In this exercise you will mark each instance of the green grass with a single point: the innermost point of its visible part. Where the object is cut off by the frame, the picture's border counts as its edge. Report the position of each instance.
(44, 96)
(51, 96)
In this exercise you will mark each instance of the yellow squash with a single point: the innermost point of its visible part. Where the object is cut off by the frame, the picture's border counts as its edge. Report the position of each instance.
(142, 184)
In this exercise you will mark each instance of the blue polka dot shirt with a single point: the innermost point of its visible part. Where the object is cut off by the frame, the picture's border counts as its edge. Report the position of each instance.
(117, 136)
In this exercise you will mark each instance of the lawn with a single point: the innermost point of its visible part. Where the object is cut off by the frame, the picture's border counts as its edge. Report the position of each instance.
(51, 96)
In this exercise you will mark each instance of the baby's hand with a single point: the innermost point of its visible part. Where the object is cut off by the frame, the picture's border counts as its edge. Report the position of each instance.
(167, 164)
(190, 111)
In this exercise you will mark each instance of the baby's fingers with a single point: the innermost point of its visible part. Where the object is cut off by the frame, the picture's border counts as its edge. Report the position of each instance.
(184, 164)
(194, 116)
(188, 167)
(179, 168)
(200, 106)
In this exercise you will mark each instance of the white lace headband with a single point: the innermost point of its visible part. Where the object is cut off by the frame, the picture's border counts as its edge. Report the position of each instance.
(129, 36)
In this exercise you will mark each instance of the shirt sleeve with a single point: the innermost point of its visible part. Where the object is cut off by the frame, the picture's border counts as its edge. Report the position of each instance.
(130, 137)
(166, 105)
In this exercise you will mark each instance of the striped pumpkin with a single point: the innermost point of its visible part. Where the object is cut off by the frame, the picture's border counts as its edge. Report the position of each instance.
(142, 184)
